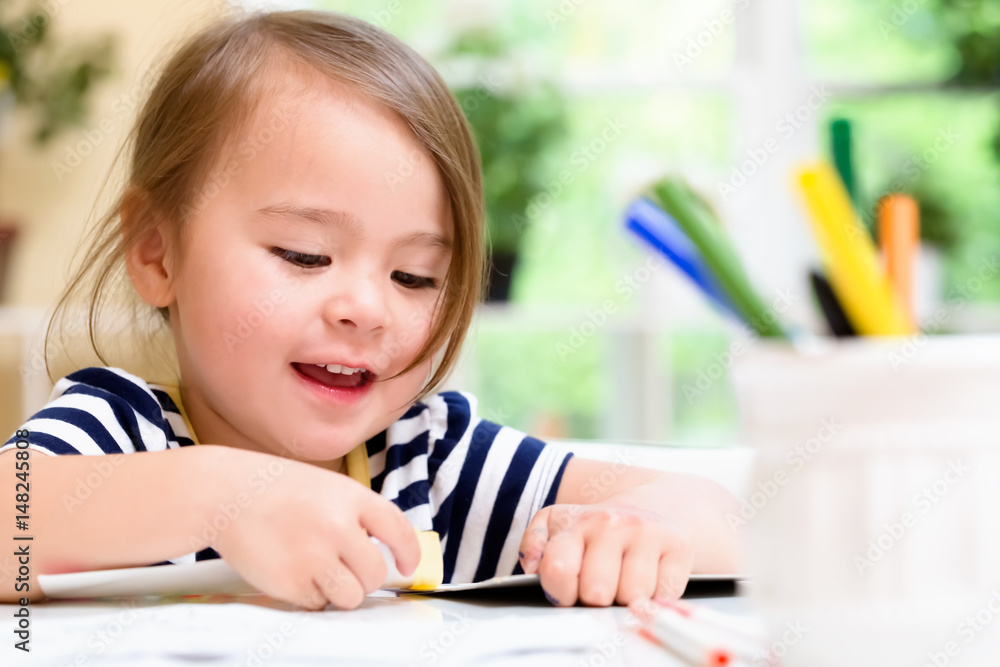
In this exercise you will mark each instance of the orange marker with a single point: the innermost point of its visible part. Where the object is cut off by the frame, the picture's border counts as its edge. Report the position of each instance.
(898, 236)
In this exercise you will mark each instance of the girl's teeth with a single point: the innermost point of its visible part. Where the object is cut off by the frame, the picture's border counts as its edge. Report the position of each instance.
(346, 370)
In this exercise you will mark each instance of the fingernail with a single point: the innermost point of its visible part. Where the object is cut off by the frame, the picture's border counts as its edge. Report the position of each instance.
(550, 598)
(520, 554)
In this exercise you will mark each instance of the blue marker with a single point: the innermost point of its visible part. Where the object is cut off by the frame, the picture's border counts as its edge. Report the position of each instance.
(655, 226)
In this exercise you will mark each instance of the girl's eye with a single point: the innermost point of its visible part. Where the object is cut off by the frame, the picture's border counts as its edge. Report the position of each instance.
(413, 282)
(407, 280)
(300, 259)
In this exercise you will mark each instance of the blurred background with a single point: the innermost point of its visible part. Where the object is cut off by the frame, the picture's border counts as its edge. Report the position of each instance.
(578, 105)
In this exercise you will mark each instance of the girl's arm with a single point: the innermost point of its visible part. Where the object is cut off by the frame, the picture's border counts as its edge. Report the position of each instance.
(701, 507)
(620, 533)
(100, 512)
(293, 530)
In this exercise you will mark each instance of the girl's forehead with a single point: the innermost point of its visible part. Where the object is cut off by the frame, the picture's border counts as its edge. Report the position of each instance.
(293, 94)
(308, 133)
(299, 88)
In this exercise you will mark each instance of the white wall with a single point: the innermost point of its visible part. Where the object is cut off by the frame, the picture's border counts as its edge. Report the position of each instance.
(51, 208)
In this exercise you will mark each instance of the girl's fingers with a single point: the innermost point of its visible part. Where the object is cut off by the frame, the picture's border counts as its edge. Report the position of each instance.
(559, 569)
(640, 568)
(673, 573)
(340, 586)
(312, 599)
(385, 521)
(365, 561)
(601, 568)
(599, 557)
(533, 542)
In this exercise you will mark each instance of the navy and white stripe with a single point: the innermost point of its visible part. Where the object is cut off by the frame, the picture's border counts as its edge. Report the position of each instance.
(104, 411)
(474, 482)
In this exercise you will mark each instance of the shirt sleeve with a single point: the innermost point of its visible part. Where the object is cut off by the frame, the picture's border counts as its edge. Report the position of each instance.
(486, 483)
(97, 411)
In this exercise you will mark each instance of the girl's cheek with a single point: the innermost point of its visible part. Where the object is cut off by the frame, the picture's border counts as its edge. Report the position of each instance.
(402, 346)
(397, 350)
(248, 322)
(420, 331)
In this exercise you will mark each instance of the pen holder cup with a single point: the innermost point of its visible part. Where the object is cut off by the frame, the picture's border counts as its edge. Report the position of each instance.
(872, 527)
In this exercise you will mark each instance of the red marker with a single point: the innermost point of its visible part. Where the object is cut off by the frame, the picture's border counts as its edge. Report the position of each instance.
(746, 629)
(688, 647)
(702, 636)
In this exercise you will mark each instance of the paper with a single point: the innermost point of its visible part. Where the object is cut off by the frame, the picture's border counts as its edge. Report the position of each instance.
(235, 633)
(205, 577)
(210, 577)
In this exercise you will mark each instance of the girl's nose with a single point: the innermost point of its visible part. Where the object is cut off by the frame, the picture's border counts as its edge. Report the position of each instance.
(357, 301)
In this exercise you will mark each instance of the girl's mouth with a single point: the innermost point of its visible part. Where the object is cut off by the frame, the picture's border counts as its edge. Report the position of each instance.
(329, 378)
(339, 386)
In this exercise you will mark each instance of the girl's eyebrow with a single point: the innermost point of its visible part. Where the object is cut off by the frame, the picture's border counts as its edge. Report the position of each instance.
(348, 224)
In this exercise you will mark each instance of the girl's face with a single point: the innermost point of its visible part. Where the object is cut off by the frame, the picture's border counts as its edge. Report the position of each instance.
(319, 239)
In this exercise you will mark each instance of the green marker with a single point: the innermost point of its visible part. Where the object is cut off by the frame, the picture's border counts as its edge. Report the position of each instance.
(843, 160)
(694, 216)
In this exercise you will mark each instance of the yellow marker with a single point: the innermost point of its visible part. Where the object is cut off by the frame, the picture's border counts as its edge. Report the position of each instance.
(850, 257)
(430, 570)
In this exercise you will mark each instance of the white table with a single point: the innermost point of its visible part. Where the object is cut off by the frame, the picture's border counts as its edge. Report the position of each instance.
(501, 629)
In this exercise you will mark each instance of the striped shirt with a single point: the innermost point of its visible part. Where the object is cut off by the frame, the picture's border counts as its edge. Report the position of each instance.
(476, 483)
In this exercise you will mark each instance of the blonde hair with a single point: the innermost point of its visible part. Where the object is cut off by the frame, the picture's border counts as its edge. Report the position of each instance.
(209, 90)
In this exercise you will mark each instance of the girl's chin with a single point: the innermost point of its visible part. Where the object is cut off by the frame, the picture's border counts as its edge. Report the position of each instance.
(324, 453)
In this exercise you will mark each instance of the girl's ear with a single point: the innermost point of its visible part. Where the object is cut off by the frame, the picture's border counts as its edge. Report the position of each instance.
(149, 255)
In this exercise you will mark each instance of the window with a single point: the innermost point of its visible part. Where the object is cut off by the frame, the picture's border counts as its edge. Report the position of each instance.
(656, 86)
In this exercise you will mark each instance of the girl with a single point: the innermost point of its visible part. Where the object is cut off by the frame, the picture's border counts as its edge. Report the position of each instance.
(303, 212)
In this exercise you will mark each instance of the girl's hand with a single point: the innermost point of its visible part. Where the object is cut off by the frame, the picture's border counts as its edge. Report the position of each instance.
(606, 552)
(297, 532)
